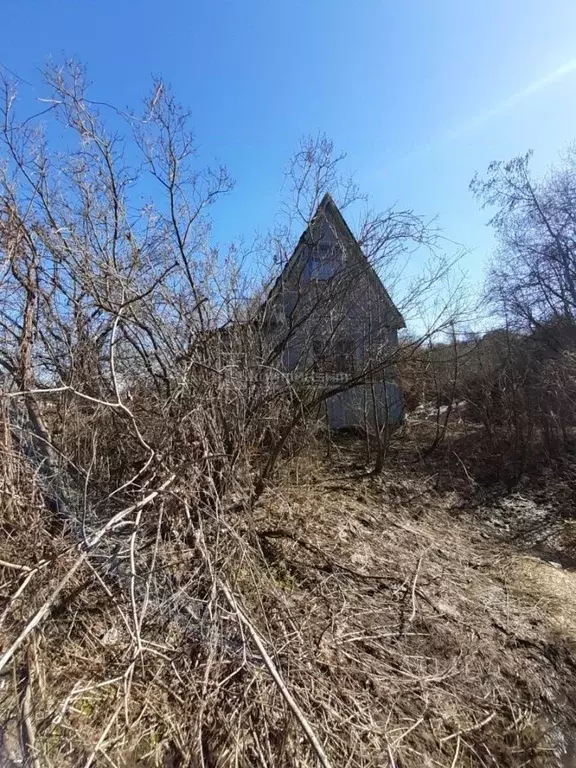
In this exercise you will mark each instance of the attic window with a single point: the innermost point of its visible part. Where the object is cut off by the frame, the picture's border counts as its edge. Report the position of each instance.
(321, 264)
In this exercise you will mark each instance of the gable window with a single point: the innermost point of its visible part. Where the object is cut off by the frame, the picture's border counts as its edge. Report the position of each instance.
(321, 264)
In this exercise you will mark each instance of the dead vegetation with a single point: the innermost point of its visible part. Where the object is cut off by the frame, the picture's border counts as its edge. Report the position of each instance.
(184, 581)
(345, 621)
(145, 413)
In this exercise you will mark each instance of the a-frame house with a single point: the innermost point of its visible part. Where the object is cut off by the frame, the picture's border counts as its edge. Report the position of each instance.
(335, 322)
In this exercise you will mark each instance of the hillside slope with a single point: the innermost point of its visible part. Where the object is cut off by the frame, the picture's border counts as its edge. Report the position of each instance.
(456, 645)
(406, 631)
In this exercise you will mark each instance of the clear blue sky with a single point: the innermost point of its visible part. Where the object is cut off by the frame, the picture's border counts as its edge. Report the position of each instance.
(419, 93)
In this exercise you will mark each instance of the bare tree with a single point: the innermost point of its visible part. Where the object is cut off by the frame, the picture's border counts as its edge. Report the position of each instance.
(533, 275)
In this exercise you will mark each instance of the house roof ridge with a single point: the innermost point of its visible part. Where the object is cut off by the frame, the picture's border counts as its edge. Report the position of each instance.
(329, 207)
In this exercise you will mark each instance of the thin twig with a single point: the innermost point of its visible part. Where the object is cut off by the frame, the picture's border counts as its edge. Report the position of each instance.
(456, 753)
(41, 612)
(28, 730)
(414, 582)
(46, 606)
(15, 596)
(464, 731)
(5, 564)
(306, 727)
(103, 735)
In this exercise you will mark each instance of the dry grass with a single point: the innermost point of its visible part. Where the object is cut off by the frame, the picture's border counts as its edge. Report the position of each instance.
(402, 635)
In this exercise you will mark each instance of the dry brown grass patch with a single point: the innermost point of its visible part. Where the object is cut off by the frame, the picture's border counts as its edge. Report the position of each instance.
(391, 621)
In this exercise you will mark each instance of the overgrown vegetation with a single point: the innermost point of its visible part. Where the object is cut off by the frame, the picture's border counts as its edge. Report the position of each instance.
(517, 382)
(184, 581)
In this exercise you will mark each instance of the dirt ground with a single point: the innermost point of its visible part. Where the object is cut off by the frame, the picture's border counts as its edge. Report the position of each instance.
(479, 608)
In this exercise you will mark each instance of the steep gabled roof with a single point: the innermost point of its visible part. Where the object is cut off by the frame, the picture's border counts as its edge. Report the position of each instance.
(328, 211)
